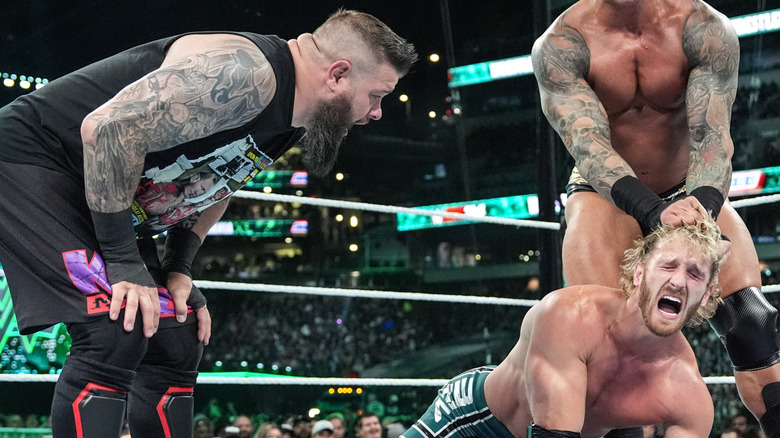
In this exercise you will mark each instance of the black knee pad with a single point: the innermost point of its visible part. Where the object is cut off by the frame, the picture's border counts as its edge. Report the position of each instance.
(89, 399)
(106, 341)
(747, 325)
(626, 432)
(161, 402)
(770, 421)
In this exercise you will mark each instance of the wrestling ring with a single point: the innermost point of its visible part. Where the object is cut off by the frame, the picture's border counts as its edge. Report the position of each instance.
(379, 294)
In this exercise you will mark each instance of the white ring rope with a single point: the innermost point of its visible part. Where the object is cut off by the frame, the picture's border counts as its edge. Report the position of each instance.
(759, 200)
(381, 294)
(378, 294)
(770, 288)
(259, 196)
(362, 293)
(314, 381)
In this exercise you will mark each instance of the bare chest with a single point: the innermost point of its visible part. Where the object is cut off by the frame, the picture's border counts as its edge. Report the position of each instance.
(628, 394)
(629, 70)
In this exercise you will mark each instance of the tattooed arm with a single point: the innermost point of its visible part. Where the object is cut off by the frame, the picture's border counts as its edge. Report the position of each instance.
(561, 60)
(712, 49)
(180, 249)
(207, 84)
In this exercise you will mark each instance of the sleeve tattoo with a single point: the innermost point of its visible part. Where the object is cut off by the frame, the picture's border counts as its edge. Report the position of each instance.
(712, 49)
(217, 90)
(561, 59)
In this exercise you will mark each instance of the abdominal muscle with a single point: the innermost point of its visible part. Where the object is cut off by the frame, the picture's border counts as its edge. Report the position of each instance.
(655, 144)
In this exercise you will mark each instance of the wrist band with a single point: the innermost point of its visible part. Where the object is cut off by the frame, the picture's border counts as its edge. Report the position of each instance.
(181, 245)
(637, 200)
(196, 300)
(710, 198)
(118, 248)
(536, 431)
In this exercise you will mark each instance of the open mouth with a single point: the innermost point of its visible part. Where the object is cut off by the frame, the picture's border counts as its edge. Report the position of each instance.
(670, 305)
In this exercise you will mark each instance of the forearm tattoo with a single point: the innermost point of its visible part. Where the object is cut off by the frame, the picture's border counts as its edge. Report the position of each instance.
(217, 90)
(561, 60)
(712, 49)
(189, 221)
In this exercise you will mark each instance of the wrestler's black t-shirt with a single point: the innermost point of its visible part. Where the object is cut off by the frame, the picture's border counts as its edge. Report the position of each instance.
(43, 128)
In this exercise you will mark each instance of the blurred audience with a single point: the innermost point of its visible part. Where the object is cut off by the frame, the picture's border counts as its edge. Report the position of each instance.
(268, 430)
(337, 420)
(244, 425)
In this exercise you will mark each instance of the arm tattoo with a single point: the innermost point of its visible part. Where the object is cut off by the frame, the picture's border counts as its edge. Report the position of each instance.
(712, 49)
(189, 221)
(216, 90)
(561, 60)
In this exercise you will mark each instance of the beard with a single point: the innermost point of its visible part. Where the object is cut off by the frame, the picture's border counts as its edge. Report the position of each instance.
(328, 125)
(648, 308)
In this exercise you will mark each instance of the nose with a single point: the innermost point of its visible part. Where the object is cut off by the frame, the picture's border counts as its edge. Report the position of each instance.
(677, 281)
(375, 113)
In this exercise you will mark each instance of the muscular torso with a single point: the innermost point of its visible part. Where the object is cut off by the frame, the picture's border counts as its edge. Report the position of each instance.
(640, 77)
(623, 389)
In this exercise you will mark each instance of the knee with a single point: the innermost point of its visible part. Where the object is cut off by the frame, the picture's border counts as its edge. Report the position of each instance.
(747, 326)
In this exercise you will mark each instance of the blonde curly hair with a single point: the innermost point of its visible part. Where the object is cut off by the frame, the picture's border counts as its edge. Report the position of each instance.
(704, 237)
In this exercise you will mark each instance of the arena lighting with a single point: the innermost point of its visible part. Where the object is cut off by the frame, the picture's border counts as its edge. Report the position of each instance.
(345, 390)
(745, 26)
(279, 179)
(762, 181)
(24, 81)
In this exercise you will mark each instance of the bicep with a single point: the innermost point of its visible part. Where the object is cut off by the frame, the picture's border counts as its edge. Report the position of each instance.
(556, 377)
(561, 60)
(712, 49)
(695, 412)
(188, 98)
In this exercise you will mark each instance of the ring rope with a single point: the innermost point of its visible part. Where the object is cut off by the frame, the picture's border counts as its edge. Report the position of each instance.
(362, 293)
(381, 294)
(259, 196)
(328, 381)
(759, 200)
(314, 381)
(770, 288)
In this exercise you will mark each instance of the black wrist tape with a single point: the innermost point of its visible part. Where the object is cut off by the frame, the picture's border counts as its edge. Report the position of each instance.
(181, 245)
(637, 200)
(536, 431)
(196, 300)
(710, 198)
(118, 248)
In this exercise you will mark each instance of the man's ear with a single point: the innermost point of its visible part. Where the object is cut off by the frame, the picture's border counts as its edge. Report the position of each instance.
(337, 71)
(706, 297)
(639, 271)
